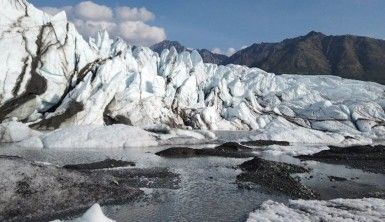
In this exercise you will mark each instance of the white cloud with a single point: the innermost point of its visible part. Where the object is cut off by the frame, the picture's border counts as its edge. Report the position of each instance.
(228, 52)
(134, 14)
(141, 33)
(125, 22)
(91, 11)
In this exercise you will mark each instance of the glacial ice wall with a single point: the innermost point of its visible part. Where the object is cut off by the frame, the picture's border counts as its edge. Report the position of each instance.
(51, 77)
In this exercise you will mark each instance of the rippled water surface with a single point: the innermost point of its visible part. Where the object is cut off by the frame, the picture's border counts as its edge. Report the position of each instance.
(208, 191)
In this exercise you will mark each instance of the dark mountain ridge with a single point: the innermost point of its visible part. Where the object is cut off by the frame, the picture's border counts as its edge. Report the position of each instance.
(348, 56)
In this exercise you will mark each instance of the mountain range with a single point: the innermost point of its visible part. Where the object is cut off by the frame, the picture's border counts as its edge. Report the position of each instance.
(347, 56)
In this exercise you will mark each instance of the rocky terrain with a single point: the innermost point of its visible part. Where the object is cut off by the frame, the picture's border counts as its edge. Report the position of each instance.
(347, 56)
(368, 158)
(271, 174)
(31, 191)
(204, 177)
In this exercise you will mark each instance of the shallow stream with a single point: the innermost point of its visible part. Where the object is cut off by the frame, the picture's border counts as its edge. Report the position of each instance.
(208, 190)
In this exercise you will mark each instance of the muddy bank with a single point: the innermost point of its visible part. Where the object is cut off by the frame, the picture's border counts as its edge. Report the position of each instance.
(230, 150)
(274, 176)
(30, 192)
(339, 179)
(265, 143)
(367, 158)
(207, 185)
(140, 178)
(134, 177)
(105, 164)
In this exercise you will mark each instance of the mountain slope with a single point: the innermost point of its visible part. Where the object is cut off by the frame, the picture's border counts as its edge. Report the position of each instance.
(346, 56)
(51, 78)
(207, 56)
(167, 44)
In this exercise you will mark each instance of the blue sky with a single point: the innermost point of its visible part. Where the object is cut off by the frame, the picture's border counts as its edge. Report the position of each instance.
(231, 23)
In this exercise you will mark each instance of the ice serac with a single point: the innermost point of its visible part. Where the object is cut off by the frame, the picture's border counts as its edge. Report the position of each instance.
(52, 78)
(41, 56)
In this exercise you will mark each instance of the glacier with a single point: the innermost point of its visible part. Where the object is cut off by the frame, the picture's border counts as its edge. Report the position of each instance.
(61, 92)
(366, 209)
(99, 137)
(51, 78)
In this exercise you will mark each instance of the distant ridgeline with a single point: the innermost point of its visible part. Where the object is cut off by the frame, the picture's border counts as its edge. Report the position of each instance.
(347, 56)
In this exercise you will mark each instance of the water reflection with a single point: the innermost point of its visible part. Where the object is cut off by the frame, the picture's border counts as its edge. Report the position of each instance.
(208, 191)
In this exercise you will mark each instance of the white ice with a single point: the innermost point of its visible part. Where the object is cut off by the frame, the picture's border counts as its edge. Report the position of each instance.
(360, 210)
(99, 137)
(94, 214)
(13, 131)
(136, 86)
